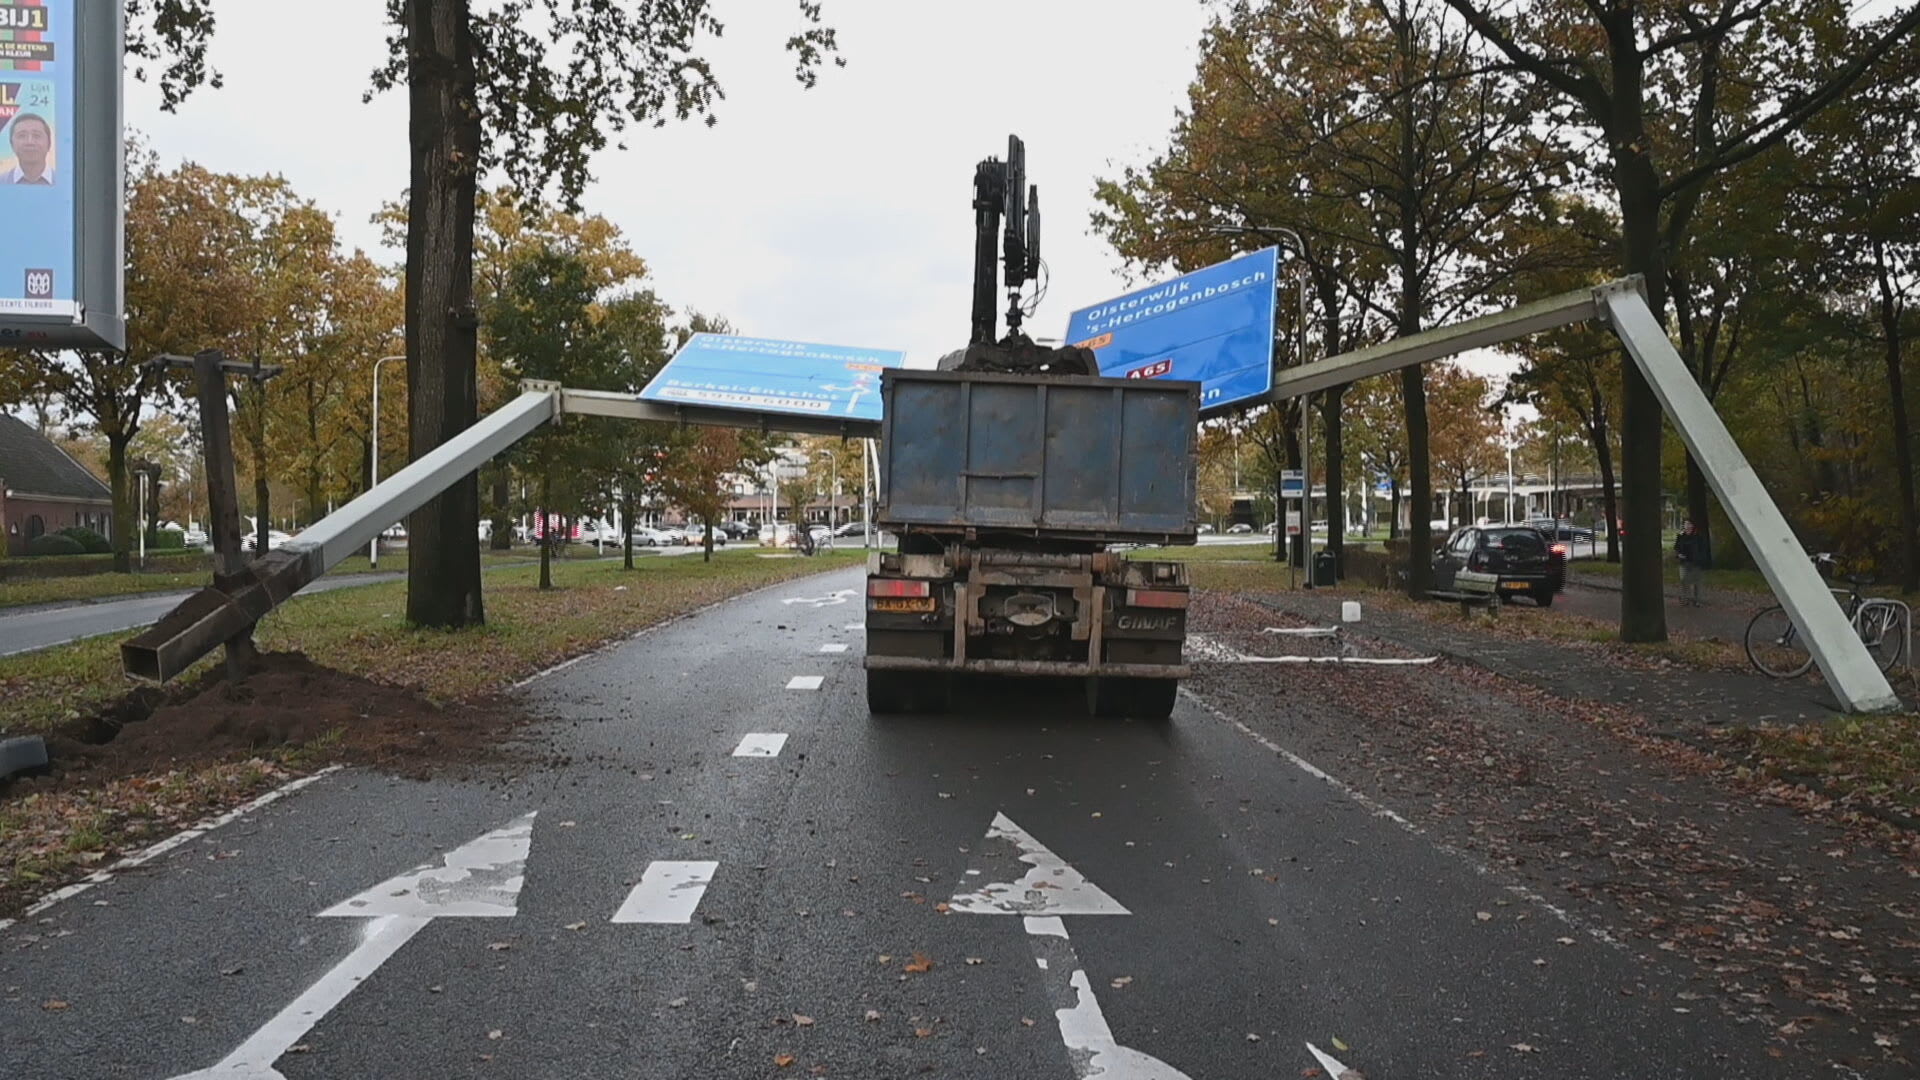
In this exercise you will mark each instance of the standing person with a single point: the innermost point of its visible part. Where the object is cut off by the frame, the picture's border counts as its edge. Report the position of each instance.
(1695, 560)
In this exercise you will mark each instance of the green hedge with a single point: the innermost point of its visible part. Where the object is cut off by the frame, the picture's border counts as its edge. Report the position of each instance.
(55, 544)
(90, 542)
(168, 540)
(23, 567)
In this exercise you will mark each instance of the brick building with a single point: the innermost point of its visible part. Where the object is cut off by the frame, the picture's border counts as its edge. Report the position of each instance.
(44, 490)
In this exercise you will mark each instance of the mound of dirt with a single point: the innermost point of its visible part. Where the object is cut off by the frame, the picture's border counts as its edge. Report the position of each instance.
(287, 701)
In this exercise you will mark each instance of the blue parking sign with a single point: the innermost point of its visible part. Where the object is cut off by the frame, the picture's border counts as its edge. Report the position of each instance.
(728, 371)
(1213, 327)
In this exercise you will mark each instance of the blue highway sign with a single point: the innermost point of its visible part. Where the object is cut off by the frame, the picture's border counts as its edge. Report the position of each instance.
(726, 371)
(1213, 327)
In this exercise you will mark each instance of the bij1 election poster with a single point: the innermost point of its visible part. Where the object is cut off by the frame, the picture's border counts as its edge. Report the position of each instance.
(36, 146)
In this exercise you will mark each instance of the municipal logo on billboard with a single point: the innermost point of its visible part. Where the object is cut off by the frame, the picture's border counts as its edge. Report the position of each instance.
(39, 285)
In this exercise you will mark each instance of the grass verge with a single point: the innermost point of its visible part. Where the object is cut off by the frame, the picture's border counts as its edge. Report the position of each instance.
(82, 587)
(1869, 759)
(53, 832)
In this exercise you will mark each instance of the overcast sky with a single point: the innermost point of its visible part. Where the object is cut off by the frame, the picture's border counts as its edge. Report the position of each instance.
(839, 215)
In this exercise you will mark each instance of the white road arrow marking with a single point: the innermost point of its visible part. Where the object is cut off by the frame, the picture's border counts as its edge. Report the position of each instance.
(481, 878)
(832, 599)
(669, 892)
(254, 1059)
(1049, 887)
(1048, 890)
(761, 744)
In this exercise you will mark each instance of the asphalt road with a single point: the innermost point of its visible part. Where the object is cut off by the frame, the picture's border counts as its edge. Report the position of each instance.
(1192, 902)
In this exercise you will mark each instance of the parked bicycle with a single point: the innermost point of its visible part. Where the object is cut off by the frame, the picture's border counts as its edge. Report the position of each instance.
(1776, 647)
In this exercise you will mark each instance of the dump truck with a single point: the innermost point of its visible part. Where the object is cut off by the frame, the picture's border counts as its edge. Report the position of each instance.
(1011, 476)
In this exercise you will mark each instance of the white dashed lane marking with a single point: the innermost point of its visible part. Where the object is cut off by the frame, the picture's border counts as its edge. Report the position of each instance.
(834, 647)
(761, 744)
(806, 682)
(668, 892)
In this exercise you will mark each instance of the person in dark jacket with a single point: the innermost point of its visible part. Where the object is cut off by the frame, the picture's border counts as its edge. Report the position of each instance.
(1695, 560)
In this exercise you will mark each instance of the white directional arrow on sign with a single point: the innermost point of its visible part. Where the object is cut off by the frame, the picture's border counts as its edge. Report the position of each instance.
(479, 879)
(1049, 889)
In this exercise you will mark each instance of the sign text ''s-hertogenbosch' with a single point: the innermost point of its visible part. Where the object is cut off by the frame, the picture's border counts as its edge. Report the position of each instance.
(1213, 327)
(728, 371)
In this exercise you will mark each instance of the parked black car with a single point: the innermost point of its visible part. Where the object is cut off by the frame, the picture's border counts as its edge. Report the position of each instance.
(1525, 562)
(1563, 530)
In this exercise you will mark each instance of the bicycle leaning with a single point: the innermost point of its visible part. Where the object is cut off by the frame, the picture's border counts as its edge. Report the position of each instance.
(1776, 647)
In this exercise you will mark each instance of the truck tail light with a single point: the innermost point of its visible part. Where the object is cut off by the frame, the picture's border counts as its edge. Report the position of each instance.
(898, 587)
(1156, 598)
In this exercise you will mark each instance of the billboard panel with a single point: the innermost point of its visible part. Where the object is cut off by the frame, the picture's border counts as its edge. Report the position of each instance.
(60, 174)
(1213, 327)
(728, 371)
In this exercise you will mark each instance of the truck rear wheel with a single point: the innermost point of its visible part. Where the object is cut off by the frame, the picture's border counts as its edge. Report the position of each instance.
(907, 693)
(1133, 699)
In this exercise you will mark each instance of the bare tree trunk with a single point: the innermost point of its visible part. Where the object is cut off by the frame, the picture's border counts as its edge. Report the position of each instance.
(1336, 479)
(1902, 429)
(626, 526)
(443, 577)
(1393, 520)
(1609, 495)
(546, 530)
(1643, 601)
(262, 495)
(123, 510)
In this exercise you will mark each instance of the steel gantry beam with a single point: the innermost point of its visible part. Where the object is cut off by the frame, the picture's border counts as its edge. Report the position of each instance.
(1850, 671)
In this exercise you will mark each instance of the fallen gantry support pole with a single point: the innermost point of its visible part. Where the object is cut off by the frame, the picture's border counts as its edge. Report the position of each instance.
(1851, 673)
(211, 616)
(232, 606)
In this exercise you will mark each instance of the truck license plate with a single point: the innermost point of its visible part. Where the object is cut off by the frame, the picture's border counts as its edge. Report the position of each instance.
(902, 603)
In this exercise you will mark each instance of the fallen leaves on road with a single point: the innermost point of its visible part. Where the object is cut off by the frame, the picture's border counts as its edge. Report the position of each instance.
(496, 1033)
(1122, 982)
(576, 926)
(783, 1060)
(499, 946)
(974, 961)
(1522, 1048)
(919, 965)
(677, 1003)
(801, 1020)
(921, 1033)
(53, 1005)
(873, 1016)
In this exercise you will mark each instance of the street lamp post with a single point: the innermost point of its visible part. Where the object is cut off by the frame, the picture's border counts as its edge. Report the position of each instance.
(373, 545)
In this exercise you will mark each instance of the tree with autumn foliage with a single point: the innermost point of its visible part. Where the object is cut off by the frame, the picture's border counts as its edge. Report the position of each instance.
(1466, 433)
(1366, 138)
(1676, 95)
(534, 88)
